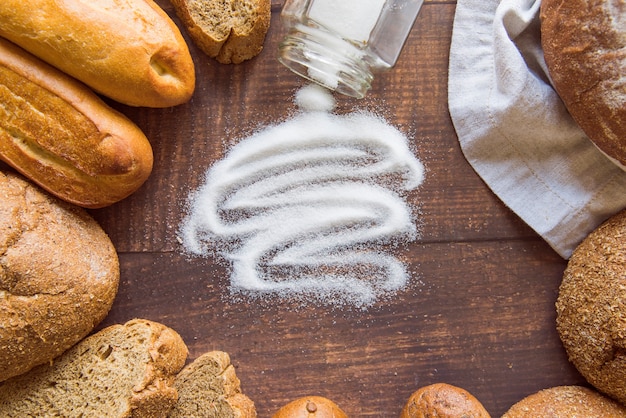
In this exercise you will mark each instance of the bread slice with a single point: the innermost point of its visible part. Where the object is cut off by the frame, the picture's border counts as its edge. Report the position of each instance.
(230, 31)
(209, 388)
(122, 371)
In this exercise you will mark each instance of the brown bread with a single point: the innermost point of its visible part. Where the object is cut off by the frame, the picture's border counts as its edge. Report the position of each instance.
(209, 388)
(128, 50)
(230, 31)
(59, 274)
(585, 51)
(444, 401)
(566, 402)
(120, 372)
(591, 309)
(60, 135)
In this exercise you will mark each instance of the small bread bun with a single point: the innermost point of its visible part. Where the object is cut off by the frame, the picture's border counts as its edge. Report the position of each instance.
(591, 308)
(566, 402)
(444, 401)
(59, 274)
(310, 407)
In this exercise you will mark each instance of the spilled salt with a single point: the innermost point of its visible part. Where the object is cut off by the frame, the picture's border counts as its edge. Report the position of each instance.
(307, 209)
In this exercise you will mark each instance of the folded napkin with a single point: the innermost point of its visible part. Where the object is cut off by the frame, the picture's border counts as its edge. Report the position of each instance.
(516, 133)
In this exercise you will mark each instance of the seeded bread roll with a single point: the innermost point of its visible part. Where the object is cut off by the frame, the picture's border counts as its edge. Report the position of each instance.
(584, 44)
(209, 388)
(444, 401)
(591, 309)
(122, 371)
(59, 274)
(128, 50)
(230, 31)
(60, 135)
(566, 402)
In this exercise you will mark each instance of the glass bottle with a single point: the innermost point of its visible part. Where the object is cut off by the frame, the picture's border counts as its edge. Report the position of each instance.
(341, 43)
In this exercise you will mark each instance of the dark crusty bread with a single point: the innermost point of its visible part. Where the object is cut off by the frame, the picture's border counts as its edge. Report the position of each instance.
(59, 134)
(128, 50)
(584, 43)
(566, 402)
(591, 308)
(122, 371)
(209, 388)
(59, 274)
(230, 31)
(444, 401)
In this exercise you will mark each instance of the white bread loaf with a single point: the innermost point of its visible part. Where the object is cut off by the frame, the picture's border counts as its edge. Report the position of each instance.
(122, 371)
(128, 50)
(59, 134)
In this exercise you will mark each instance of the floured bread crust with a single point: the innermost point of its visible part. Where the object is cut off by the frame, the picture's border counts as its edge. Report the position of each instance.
(59, 274)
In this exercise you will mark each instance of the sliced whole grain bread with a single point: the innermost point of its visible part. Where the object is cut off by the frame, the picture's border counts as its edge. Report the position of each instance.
(230, 31)
(121, 371)
(209, 388)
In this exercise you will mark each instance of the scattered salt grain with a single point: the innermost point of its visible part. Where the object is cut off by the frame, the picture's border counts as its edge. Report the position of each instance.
(306, 208)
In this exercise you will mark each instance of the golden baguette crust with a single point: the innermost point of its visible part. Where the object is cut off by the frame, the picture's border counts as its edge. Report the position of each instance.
(122, 371)
(128, 50)
(59, 134)
(59, 274)
(229, 31)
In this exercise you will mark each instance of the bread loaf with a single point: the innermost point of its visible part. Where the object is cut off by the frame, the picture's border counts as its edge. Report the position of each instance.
(122, 371)
(59, 134)
(59, 274)
(591, 309)
(566, 402)
(209, 388)
(311, 407)
(128, 50)
(584, 43)
(230, 31)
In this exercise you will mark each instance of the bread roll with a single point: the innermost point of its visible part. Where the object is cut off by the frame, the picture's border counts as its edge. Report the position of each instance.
(122, 371)
(591, 308)
(128, 50)
(444, 401)
(230, 31)
(566, 402)
(59, 274)
(209, 388)
(584, 44)
(59, 134)
(310, 407)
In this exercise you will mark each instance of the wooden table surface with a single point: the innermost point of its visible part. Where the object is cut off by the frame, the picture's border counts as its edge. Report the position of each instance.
(478, 313)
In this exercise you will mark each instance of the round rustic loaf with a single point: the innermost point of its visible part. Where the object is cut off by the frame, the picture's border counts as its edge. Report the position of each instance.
(59, 274)
(566, 402)
(584, 43)
(444, 401)
(591, 308)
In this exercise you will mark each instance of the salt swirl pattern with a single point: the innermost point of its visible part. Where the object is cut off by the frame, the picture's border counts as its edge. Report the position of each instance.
(306, 209)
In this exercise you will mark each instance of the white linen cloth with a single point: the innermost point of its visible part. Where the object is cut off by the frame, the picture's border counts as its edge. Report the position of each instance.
(514, 130)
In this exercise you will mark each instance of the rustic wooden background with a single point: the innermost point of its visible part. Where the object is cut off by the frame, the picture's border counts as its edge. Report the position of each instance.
(479, 313)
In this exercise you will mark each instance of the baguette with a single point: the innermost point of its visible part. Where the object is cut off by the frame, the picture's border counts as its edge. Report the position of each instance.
(209, 388)
(128, 50)
(122, 371)
(229, 31)
(59, 274)
(62, 136)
